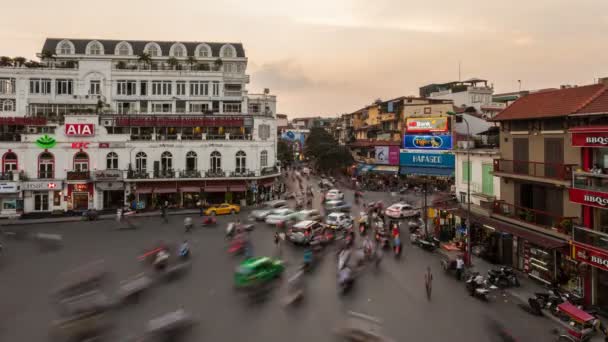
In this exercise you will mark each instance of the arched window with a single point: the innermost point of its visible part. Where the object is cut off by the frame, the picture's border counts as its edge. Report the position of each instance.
(141, 161)
(9, 162)
(95, 48)
(153, 50)
(178, 50)
(65, 48)
(112, 161)
(8, 106)
(191, 161)
(203, 50)
(241, 161)
(264, 158)
(166, 161)
(81, 161)
(123, 49)
(228, 51)
(46, 163)
(216, 161)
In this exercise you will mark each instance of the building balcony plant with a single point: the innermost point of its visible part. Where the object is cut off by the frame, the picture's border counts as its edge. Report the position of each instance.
(190, 174)
(553, 171)
(538, 218)
(168, 173)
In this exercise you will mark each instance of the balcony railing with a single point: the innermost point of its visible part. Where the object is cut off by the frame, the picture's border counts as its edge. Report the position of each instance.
(190, 174)
(78, 175)
(6, 176)
(534, 169)
(233, 93)
(590, 237)
(590, 181)
(164, 173)
(46, 174)
(269, 170)
(137, 174)
(539, 218)
(242, 173)
(217, 173)
(10, 137)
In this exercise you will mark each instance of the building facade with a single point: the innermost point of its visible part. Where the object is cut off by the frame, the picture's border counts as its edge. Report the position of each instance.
(103, 123)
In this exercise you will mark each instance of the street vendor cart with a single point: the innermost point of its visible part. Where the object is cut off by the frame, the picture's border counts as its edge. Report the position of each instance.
(448, 259)
(578, 324)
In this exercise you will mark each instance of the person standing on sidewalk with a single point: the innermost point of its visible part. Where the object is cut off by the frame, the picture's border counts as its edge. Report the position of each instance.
(277, 242)
(164, 212)
(428, 282)
(459, 267)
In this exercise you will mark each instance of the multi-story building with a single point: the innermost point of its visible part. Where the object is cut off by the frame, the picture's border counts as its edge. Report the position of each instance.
(103, 122)
(470, 93)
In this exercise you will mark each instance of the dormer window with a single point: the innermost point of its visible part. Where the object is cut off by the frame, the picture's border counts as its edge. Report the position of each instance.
(65, 48)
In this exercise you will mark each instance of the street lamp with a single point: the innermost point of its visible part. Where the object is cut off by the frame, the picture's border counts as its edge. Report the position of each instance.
(459, 118)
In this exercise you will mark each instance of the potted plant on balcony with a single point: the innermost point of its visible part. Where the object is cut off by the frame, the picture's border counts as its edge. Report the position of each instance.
(144, 59)
(529, 216)
(565, 226)
(218, 64)
(121, 65)
(173, 62)
(19, 61)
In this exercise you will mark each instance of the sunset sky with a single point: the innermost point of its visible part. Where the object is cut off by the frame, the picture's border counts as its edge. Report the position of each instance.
(335, 56)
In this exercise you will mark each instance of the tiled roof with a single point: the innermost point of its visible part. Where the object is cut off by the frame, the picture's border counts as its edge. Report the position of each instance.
(555, 103)
(80, 46)
(599, 104)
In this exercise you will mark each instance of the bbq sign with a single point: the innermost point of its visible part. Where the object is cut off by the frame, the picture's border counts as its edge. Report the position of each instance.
(599, 139)
(426, 125)
(79, 130)
(591, 256)
(587, 197)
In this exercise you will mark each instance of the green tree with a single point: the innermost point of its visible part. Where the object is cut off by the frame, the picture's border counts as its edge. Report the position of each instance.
(285, 152)
(144, 58)
(6, 61)
(19, 61)
(191, 61)
(173, 62)
(325, 152)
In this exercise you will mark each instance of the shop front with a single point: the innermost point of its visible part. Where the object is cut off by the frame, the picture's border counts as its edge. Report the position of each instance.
(191, 195)
(80, 196)
(590, 248)
(42, 196)
(11, 205)
(110, 188)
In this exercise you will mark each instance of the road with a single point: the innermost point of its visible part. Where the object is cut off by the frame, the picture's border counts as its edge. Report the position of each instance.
(395, 292)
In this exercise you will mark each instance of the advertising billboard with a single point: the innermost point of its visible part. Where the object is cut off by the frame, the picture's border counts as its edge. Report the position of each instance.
(592, 139)
(427, 142)
(387, 155)
(437, 160)
(427, 125)
(79, 129)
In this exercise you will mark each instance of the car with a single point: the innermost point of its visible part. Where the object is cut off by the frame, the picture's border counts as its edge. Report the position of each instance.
(257, 270)
(334, 194)
(279, 216)
(338, 220)
(222, 209)
(310, 215)
(325, 183)
(260, 214)
(337, 205)
(302, 232)
(401, 210)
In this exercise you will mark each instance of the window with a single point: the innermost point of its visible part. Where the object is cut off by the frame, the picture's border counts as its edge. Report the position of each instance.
(264, 159)
(7, 86)
(216, 88)
(254, 107)
(112, 161)
(95, 49)
(216, 161)
(179, 50)
(95, 87)
(166, 161)
(199, 88)
(141, 162)
(232, 107)
(161, 107)
(264, 132)
(180, 87)
(40, 86)
(64, 87)
(81, 161)
(123, 49)
(199, 107)
(46, 161)
(65, 48)
(229, 67)
(152, 49)
(161, 87)
(191, 161)
(466, 171)
(487, 179)
(126, 87)
(9, 162)
(228, 51)
(241, 160)
(143, 88)
(203, 50)
(8, 105)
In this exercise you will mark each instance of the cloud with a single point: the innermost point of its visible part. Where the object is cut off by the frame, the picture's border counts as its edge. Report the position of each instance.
(286, 75)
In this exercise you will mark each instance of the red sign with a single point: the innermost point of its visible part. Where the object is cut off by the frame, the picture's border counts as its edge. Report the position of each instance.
(18, 121)
(80, 145)
(104, 145)
(589, 139)
(426, 125)
(81, 187)
(153, 121)
(588, 197)
(51, 185)
(79, 130)
(592, 256)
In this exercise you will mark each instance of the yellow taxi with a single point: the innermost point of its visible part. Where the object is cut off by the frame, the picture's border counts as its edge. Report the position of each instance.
(222, 209)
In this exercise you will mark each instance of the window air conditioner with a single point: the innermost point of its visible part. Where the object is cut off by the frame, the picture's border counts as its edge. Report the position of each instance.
(106, 123)
(32, 130)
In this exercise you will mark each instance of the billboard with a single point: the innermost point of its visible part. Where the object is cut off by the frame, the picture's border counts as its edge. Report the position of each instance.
(438, 160)
(427, 125)
(427, 142)
(593, 139)
(387, 155)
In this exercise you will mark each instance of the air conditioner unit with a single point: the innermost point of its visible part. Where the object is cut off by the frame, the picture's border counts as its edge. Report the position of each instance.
(86, 96)
(75, 96)
(32, 130)
(106, 122)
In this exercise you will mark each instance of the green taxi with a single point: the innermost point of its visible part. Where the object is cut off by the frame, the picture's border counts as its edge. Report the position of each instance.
(257, 270)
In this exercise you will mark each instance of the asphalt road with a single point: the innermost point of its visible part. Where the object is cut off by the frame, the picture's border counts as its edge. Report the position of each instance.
(394, 293)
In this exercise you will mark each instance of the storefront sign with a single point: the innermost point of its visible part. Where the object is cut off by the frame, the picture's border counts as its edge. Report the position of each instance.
(108, 175)
(439, 160)
(595, 139)
(588, 197)
(80, 145)
(387, 155)
(79, 130)
(427, 142)
(46, 142)
(40, 185)
(8, 188)
(191, 121)
(81, 187)
(591, 256)
(426, 125)
(111, 145)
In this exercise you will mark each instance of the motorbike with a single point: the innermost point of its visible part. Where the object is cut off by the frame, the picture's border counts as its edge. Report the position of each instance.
(549, 300)
(184, 252)
(208, 221)
(161, 260)
(414, 225)
(90, 215)
(237, 246)
(382, 238)
(477, 286)
(230, 230)
(345, 279)
(397, 245)
(503, 277)
(188, 224)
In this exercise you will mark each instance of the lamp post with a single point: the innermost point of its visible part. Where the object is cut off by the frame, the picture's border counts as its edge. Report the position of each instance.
(460, 118)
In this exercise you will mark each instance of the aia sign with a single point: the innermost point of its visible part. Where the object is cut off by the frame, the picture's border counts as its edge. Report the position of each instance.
(80, 130)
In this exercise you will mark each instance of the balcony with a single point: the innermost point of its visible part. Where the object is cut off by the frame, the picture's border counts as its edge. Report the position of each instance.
(138, 174)
(536, 171)
(8, 176)
(215, 173)
(534, 219)
(590, 237)
(242, 173)
(590, 181)
(190, 174)
(269, 171)
(233, 93)
(164, 173)
(46, 175)
(78, 175)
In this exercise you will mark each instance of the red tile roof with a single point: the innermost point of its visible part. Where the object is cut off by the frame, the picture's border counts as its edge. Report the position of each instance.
(556, 103)
(599, 104)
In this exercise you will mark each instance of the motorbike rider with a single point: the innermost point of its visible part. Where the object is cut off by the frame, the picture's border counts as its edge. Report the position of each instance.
(188, 224)
(162, 257)
(308, 257)
(184, 249)
(367, 246)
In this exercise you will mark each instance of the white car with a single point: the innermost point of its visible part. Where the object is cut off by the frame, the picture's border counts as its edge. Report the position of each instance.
(260, 214)
(310, 215)
(281, 215)
(334, 194)
(338, 220)
(401, 210)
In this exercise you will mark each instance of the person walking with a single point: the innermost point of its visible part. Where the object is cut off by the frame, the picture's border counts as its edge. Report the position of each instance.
(428, 282)
(277, 242)
(164, 212)
(459, 268)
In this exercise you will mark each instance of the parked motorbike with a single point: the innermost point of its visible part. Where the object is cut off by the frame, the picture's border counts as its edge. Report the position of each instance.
(503, 277)
(549, 301)
(477, 286)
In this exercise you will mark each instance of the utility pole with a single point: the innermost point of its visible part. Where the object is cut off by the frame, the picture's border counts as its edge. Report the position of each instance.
(425, 213)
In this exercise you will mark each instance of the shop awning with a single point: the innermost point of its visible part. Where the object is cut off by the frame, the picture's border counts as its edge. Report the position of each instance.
(165, 190)
(215, 188)
(426, 171)
(589, 129)
(363, 168)
(190, 189)
(238, 188)
(143, 190)
(385, 169)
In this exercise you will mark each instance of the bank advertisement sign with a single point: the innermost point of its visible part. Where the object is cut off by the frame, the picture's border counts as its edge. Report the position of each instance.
(427, 125)
(427, 142)
(438, 160)
(387, 155)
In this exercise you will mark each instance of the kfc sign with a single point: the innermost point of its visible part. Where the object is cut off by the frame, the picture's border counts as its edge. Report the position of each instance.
(588, 197)
(79, 130)
(596, 139)
(591, 256)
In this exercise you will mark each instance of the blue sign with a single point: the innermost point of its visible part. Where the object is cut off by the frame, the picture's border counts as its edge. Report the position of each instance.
(438, 160)
(427, 142)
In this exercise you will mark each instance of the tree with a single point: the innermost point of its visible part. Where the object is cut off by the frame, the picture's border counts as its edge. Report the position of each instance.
(325, 152)
(19, 61)
(218, 64)
(191, 61)
(6, 61)
(173, 62)
(47, 55)
(144, 58)
(284, 152)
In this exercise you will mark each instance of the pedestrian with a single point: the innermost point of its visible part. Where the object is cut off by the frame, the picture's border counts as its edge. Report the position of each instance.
(199, 204)
(164, 212)
(277, 242)
(428, 282)
(459, 267)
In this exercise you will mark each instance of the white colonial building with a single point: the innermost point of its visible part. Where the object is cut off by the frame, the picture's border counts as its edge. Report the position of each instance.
(102, 123)
(477, 174)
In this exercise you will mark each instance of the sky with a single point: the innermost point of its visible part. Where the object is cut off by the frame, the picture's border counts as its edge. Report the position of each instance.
(328, 57)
